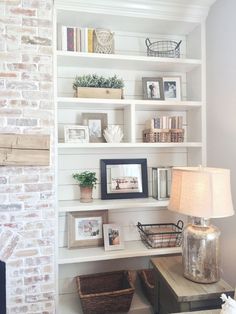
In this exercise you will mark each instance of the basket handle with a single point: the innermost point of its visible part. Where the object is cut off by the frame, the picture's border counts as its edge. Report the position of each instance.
(108, 42)
(147, 42)
(180, 224)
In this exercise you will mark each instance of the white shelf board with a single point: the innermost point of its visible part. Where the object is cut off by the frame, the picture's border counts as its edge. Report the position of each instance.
(132, 249)
(91, 103)
(130, 145)
(127, 62)
(98, 204)
(70, 304)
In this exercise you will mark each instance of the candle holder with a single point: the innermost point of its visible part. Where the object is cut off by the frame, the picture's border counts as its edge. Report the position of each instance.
(161, 182)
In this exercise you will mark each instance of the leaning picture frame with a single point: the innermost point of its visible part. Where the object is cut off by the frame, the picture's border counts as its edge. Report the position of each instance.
(76, 134)
(85, 228)
(113, 237)
(97, 123)
(123, 178)
(172, 88)
(153, 88)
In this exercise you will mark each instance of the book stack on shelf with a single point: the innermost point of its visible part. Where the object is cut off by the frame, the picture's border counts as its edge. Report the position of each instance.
(164, 129)
(78, 39)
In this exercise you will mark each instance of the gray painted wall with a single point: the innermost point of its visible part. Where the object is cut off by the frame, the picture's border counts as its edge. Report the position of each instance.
(221, 115)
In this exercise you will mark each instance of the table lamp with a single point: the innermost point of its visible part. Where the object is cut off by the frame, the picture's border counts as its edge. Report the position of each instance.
(201, 193)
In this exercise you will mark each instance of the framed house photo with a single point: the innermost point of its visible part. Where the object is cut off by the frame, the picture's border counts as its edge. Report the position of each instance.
(123, 178)
(113, 237)
(85, 228)
(153, 88)
(97, 123)
(172, 88)
(76, 134)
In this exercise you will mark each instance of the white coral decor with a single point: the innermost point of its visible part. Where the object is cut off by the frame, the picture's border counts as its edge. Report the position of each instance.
(229, 307)
(113, 134)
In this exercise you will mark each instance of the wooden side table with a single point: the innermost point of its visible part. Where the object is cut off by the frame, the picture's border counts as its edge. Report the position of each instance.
(174, 293)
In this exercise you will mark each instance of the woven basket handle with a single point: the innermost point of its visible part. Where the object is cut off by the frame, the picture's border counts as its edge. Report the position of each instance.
(108, 42)
(147, 42)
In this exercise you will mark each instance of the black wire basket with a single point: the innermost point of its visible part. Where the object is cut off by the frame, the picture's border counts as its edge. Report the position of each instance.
(161, 235)
(163, 48)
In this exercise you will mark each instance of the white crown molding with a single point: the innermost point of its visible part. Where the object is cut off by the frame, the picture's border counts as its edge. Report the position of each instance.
(179, 10)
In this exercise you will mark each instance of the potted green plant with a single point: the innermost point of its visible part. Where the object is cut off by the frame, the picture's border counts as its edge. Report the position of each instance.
(87, 181)
(94, 86)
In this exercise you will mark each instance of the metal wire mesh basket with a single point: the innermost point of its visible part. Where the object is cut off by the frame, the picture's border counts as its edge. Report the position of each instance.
(163, 48)
(161, 235)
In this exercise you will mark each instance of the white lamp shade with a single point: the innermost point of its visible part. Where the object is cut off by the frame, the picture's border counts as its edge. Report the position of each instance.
(201, 192)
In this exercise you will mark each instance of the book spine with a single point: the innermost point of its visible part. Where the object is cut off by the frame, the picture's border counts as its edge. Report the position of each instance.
(86, 39)
(90, 40)
(82, 40)
(70, 39)
(75, 38)
(78, 39)
(64, 38)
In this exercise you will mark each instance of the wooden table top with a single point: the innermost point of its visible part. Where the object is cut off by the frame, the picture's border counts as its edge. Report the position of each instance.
(171, 269)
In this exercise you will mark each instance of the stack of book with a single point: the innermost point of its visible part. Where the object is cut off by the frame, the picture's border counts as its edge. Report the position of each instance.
(165, 122)
(75, 39)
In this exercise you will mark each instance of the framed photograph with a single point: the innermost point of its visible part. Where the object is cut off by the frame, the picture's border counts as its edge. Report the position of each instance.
(113, 237)
(97, 123)
(153, 88)
(123, 178)
(85, 228)
(161, 183)
(76, 134)
(172, 88)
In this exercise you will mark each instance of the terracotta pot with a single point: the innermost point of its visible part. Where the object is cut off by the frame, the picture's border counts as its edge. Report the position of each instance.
(86, 194)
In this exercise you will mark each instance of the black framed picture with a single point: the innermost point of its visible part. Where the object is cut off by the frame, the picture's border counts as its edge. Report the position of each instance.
(123, 178)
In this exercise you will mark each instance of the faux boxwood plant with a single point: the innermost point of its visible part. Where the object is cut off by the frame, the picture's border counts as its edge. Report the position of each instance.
(97, 81)
(86, 178)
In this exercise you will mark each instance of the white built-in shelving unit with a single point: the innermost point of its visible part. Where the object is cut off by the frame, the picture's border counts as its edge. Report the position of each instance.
(132, 22)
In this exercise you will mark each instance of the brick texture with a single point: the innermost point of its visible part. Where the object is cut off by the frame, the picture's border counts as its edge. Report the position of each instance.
(27, 194)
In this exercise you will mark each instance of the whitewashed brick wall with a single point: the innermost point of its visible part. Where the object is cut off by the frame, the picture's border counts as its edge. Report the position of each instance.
(27, 195)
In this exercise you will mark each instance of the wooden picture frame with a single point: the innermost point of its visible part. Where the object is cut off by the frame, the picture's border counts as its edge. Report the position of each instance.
(113, 237)
(97, 123)
(76, 134)
(153, 88)
(172, 88)
(85, 228)
(123, 178)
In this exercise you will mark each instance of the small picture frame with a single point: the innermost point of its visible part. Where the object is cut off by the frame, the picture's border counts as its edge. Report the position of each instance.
(85, 228)
(172, 88)
(153, 88)
(161, 183)
(113, 237)
(123, 178)
(97, 123)
(76, 134)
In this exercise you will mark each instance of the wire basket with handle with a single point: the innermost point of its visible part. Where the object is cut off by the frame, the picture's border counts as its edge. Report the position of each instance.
(163, 48)
(161, 235)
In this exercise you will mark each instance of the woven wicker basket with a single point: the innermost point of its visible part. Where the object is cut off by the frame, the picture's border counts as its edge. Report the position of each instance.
(163, 135)
(146, 277)
(103, 41)
(108, 292)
